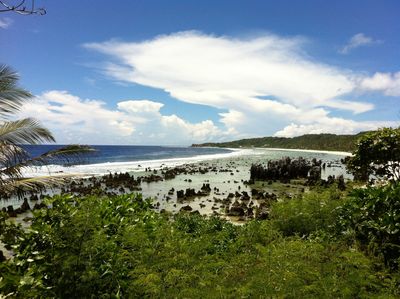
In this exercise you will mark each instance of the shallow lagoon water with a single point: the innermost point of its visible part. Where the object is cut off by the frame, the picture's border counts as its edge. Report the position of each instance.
(232, 169)
(232, 172)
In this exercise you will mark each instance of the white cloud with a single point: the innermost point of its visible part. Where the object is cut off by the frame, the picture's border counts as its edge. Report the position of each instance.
(388, 83)
(333, 126)
(140, 106)
(5, 23)
(358, 40)
(76, 120)
(265, 83)
(215, 71)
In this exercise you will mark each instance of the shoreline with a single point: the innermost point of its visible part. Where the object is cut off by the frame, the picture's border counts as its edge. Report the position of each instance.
(128, 166)
(225, 173)
(140, 165)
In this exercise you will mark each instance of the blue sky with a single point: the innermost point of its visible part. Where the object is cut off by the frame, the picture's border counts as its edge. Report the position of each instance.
(182, 72)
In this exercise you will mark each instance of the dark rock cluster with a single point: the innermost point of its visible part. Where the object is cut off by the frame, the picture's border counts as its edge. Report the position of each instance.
(341, 184)
(245, 207)
(189, 193)
(286, 169)
(22, 209)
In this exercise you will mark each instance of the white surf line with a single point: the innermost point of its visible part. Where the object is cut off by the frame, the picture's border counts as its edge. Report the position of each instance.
(132, 166)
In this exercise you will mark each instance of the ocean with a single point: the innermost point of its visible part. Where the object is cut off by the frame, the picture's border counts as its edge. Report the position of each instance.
(131, 153)
(114, 158)
(135, 160)
(122, 158)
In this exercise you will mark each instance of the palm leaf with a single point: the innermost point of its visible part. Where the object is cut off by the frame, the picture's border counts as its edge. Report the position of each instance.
(11, 154)
(11, 96)
(24, 185)
(13, 157)
(27, 130)
(68, 154)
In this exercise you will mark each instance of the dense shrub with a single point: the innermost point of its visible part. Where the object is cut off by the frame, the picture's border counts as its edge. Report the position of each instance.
(114, 247)
(372, 215)
(306, 213)
(378, 154)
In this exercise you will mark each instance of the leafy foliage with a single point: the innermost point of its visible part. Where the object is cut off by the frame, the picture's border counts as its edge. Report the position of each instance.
(377, 153)
(118, 247)
(307, 213)
(372, 215)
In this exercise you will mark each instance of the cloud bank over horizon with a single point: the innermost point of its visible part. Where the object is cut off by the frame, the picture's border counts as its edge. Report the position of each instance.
(262, 82)
(260, 86)
(76, 120)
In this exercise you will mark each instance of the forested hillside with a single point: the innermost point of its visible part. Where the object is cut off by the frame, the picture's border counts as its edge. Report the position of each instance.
(311, 141)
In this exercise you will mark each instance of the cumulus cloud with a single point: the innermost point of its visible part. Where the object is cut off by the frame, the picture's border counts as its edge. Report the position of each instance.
(73, 119)
(5, 23)
(210, 70)
(358, 40)
(388, 83)
(262, 84)
(333, 126)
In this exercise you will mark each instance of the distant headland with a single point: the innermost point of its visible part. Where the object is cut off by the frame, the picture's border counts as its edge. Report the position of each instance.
(326, 142)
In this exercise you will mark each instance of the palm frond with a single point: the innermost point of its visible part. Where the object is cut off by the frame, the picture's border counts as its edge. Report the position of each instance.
(27, 130)
(23, 185)
(66, 155)
(11, 96)
(13, 157)
(11, 154)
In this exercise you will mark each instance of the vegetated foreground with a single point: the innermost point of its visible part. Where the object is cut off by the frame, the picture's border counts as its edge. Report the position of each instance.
(101, 246)
(335, 241)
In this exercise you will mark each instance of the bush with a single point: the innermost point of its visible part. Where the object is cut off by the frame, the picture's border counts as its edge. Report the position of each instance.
(307, 213)
(71, 248)
(114, 247)
(378, 154)
(372, 215)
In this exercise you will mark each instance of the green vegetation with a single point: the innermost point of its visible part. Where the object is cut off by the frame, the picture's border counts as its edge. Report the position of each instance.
(329, 142)
(378, 154)
(308, 213)
(372, 216)
(118, 247)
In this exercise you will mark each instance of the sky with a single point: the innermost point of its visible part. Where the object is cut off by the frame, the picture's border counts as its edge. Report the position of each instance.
(155, 72)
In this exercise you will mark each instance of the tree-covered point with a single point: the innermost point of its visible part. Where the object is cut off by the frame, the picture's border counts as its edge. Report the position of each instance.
(330, 142)
(118, 247)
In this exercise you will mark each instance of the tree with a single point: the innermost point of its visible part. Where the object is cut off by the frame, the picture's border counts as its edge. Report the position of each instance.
(21, 8)
(13, 157)
(377, 154)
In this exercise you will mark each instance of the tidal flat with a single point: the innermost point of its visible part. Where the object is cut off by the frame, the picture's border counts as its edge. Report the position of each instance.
(213, 186)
